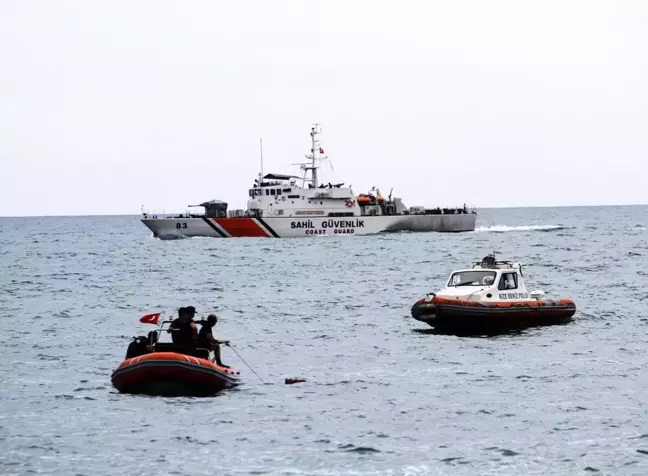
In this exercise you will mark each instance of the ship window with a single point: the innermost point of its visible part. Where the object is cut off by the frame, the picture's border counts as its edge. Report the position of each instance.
(267, 192)
(293, 196)
(472, 278)
(309, 212)
(251, 193)
(278, 191)
(287, 190)
(272, 191)
(508, 281)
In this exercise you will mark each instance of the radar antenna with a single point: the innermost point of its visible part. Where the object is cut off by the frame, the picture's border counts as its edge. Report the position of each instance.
(488, 261)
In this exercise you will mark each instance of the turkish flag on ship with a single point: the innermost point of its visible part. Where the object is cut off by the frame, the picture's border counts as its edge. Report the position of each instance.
(321, 150)
(150, 318)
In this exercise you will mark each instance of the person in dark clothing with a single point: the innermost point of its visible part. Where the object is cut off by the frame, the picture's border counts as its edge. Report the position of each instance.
(136, 348)
(152, 340)
(206, 339)
(142, 345)
(183, 330)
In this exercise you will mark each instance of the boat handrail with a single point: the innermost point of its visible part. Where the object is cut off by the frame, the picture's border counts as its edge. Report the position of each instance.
(159, 331)
(498, 265)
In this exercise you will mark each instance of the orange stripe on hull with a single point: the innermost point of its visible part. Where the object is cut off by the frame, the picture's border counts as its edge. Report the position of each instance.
(172, 374)
(174, 356)
(498, 304)
(241, 227)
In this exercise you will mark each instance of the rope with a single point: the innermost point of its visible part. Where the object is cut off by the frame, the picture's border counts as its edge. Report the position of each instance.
(248, 365)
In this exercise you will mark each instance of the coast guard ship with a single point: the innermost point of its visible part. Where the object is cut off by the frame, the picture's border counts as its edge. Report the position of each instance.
(289, 206)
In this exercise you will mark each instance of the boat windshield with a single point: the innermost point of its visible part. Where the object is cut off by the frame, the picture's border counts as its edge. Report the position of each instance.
(472, 278)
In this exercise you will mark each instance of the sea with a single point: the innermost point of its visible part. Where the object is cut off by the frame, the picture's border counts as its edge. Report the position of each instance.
(383, 394)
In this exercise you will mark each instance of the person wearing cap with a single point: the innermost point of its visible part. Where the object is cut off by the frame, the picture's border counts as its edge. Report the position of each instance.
(206, 339)
(184, 332)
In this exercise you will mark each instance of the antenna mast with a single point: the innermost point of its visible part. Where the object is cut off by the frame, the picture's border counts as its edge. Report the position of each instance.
(313, 157)
(315, 149)
(261, 146)
(313, 133)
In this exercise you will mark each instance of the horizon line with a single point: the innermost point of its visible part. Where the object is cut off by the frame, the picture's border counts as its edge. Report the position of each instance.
(483, 208)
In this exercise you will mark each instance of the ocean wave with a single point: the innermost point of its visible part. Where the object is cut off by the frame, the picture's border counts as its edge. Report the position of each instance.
(172, 236)
(505, 228)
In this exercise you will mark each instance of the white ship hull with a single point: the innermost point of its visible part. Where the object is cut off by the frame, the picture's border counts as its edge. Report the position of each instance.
(312, 209)
(273, 227)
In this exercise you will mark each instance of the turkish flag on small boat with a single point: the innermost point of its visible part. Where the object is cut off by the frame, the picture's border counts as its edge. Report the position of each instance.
(150, 318)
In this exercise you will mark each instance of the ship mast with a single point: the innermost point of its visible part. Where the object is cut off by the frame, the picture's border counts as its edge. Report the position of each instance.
(313, 156)
(313, 134)
(261, 150)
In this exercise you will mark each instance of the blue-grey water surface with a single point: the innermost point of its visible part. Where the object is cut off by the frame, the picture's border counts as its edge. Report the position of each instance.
(381, 396)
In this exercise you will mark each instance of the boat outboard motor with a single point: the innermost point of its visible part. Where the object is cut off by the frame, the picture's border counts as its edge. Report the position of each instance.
(139, 345)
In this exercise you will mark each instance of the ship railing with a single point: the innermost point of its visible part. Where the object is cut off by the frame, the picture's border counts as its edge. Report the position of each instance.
(465, 210)
(153, 215)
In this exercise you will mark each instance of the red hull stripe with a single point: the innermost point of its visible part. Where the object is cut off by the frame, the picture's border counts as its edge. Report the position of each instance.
(266, 227)
(216, 228)
(241, 227)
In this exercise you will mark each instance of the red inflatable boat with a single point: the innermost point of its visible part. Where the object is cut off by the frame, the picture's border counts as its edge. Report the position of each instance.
(172, 374)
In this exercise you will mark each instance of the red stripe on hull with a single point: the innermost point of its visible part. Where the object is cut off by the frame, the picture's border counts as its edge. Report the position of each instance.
(241, 227)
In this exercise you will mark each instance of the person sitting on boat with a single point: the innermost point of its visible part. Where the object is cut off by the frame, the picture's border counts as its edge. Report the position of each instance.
(206, 339)
(184, 332)
(142, 345)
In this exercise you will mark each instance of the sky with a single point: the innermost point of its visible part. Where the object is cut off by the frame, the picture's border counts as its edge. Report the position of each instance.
(109, 106)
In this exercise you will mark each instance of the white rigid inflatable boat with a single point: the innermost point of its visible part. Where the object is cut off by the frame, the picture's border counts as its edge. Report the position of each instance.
(490, 295)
